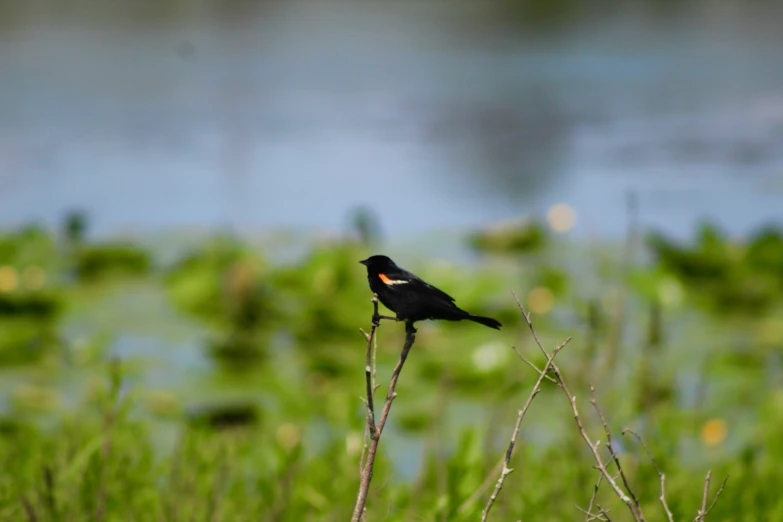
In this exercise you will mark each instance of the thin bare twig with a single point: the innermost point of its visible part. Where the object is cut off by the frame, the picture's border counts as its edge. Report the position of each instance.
(715, 500)
(529, 363)
(604, 513)
(592, 499)
(368, 373)
(369, 426)
(662, 498)
(482, 488)
(375, 384)
(370, 376)
(521, 414)
(526, 315)
(704, 511)
(375, 430)
(610, 447)
(589, 517)
(635, 510)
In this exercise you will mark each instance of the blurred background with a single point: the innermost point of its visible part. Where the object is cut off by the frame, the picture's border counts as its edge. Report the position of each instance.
(186, 188)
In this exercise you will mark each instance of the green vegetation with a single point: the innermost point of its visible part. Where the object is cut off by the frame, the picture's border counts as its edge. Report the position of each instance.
(268, 424)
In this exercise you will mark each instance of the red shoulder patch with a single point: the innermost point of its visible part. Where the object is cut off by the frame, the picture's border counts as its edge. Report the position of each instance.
(389, 281)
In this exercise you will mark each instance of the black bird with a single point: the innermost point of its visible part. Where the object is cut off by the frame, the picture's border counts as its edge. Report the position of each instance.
(411, 298)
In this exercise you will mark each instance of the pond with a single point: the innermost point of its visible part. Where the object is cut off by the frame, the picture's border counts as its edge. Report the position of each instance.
(438, 115)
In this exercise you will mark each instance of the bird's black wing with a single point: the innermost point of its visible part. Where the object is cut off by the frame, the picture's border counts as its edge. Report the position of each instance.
(428, 287)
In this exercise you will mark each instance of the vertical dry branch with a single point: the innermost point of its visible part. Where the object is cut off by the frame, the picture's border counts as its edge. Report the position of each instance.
(369, 374)
(630, 499)
(506, 470)
(368, 367)
(375, 430)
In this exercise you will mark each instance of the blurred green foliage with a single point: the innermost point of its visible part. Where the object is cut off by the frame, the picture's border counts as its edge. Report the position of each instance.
(219, 283)
(31, 300)
(515, 237)
(92, 262)
(101, 462)
(274, 430)
(727, 276)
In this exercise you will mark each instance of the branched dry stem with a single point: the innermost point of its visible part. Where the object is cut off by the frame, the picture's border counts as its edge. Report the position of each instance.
(612, 452)
(604, 513)
(589, 511)
(635, 510)
(521, 414)
(662, 498)
(704, 511)
(529, 363)
(482, 488)
(594, 510)
(375, 430)
(589, 517)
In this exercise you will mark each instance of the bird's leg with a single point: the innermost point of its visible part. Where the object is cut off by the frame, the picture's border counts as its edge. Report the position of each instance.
(376, 319)
(409, 327)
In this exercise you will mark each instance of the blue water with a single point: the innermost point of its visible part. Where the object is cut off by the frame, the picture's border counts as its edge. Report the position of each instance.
(437, 115)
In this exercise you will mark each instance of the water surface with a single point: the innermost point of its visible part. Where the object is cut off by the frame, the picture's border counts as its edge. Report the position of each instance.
(437, 114)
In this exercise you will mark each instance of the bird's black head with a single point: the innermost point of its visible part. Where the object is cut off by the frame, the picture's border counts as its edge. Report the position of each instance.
(378, 264)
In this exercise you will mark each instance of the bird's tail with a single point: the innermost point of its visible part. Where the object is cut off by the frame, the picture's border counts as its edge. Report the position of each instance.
(486, 321)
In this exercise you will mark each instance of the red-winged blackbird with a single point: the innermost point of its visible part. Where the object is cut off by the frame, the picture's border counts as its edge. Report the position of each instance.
(411, 298)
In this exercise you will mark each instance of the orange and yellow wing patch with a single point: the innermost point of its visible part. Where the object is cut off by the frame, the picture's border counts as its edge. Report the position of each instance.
(389, 281)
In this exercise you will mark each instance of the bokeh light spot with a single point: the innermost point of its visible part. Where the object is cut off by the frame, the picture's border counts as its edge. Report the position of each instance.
(670, 292)
(9, 279)
(289, 435)
(541, 300)
(561, 217)
(34, 277)
(353, 443)
(714, 432)
(488, 357)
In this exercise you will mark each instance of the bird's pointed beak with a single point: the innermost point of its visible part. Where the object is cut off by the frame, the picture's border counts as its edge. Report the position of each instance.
(364, 262)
